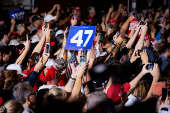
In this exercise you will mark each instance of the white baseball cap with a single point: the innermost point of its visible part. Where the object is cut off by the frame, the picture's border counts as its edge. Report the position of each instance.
(59, 32)
(35, 39)
(167, 107)
(49, 18)
(16, 67)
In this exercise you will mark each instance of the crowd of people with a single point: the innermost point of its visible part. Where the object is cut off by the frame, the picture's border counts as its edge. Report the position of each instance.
(126, 70)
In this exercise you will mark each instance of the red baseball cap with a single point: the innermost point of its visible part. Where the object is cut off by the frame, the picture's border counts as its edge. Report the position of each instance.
(113, 20)
(157, 88)
(147, 37)
(2, 23)
(15, 33)
(51, 73)
(116, 91)
(77, 8)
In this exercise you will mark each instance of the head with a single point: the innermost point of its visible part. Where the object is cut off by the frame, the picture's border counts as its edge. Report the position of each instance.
(30, 16)
(157, 89)
(141, 89)
(97, 36)
(53, 76)
(50, 19)
(164, 49)
(78, 11)
(114, 22)
(92, 11)
(11, 79)
(6, 53)
(25, 94)
(110, 28)
(59, 39)
(19, 5)
(12, 106)
(58, 93)
(4, 35)
(36, 21)
(117, 92)
(96, 98)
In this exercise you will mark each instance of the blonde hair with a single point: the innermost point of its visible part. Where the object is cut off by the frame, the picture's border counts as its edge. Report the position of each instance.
(12, 106)
(58, 93)
(141, 89)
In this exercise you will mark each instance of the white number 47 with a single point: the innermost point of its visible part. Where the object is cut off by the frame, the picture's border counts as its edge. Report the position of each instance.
(79, 34)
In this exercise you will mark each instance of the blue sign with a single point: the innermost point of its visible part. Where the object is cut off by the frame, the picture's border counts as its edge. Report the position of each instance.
(80, 37)
(18, 14)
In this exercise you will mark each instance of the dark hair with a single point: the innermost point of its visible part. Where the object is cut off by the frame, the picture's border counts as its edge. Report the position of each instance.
(163, 48)
(5, 50)
(59, 39)
(18, 5)
(3, 31)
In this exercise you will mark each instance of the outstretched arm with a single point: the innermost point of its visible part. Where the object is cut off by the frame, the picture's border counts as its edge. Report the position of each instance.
(23, 54)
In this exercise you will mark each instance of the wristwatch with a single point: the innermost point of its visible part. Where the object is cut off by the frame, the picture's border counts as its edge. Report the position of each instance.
(112, 42)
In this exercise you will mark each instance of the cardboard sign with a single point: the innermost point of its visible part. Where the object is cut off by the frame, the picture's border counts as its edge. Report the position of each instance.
(80, 37)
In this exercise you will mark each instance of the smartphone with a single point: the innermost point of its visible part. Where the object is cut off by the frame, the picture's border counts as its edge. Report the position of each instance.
(47, 49)
(46, 24)
(164, 94)
(142, 23)
(111, 60)
(82, 59)
(139, 51)
(75, 12)
(101, 38)
(111, 5)
(149, 66)
(118, 33)
(167, 10)
(36, 59)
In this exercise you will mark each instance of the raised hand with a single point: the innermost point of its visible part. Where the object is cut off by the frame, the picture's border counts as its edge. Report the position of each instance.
(58, 7)
(55, 6)
(111, 9)
(134, 57)
(93, 53)
(74, 21)
(144, 28)
(144, 57)
(155, 72)
(81, 70)
(27, 43)
(144, 70)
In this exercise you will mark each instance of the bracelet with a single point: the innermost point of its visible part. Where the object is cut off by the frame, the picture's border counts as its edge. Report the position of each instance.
(72, 78)
(23, 54)
(112, 42)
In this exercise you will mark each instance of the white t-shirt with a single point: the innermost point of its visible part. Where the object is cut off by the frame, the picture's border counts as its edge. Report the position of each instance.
(131, 100)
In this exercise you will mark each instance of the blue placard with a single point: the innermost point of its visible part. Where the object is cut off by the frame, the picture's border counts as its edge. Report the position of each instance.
(18, 14)
(80, 37)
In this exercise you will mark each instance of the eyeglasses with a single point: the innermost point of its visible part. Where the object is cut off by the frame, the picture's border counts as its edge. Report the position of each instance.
(35, 93)
(154, 95)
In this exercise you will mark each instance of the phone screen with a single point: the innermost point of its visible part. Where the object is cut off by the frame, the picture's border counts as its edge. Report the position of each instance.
(46, 24)
(111, 60)
(47, 51)
(75, 12)
(164, 94)
(82, 60)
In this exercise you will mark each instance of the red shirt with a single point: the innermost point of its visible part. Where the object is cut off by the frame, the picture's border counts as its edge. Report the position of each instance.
(132, 23)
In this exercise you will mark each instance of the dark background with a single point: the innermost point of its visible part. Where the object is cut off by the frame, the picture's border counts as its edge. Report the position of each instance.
(46, 5)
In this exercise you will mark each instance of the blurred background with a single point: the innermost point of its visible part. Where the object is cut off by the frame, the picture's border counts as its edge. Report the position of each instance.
(102, 5)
